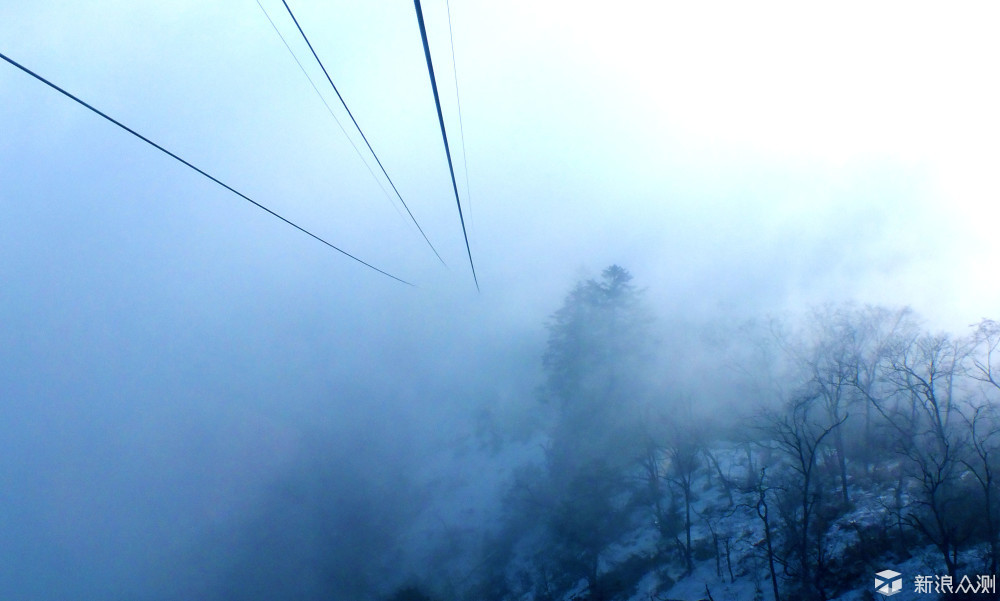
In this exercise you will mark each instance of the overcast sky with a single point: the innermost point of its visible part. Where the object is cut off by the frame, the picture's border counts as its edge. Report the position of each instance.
(163, 343)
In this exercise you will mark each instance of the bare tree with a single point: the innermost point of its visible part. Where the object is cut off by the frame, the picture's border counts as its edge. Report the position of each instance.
(843, 358)
(799, 438)
(876, 330)
(985, 431)
(684, 456)
(758, 486)
(725, 480)
(984, 464)
(924, 370)
(832, 365)
(986, 345)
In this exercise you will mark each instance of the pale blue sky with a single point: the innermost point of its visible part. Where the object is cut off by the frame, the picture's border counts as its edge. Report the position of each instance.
(634, 134)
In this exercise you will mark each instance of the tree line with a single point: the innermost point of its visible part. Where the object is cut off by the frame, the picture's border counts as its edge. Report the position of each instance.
(852, 438)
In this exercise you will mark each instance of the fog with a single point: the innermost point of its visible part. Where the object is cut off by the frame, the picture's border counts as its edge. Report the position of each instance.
(198, 401)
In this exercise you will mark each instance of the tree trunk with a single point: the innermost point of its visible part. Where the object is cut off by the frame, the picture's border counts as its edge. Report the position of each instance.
(688, 556)
(762, 512)
(842, 461)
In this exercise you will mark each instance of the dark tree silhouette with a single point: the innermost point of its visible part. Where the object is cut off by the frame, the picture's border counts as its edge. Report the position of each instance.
(596, 360)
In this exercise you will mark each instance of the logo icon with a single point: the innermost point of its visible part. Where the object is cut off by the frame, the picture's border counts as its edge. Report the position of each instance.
(888, 582)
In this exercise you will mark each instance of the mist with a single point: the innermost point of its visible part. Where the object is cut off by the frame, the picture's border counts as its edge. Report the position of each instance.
(198, 401)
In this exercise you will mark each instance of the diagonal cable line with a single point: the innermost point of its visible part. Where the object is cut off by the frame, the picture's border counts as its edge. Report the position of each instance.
(363, 136)
(444, 133)
(187, 164)
(461, 125)
(328, 109)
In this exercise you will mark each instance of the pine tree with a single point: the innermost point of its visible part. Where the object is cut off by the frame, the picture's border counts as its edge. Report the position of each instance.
(596, 365)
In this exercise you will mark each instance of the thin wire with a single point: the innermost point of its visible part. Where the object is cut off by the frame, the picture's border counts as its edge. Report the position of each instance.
(461, 126)
(187, 164)
(363, 136)
(329, 110)
(444, 133)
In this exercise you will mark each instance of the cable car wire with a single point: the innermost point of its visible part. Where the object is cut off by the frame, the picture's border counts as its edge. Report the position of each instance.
(187, 164)
(444, 133)
(461, 125)
(328, 109)
(363, 136)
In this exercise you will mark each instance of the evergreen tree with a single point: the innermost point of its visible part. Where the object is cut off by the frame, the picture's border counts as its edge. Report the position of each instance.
(597, 365)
